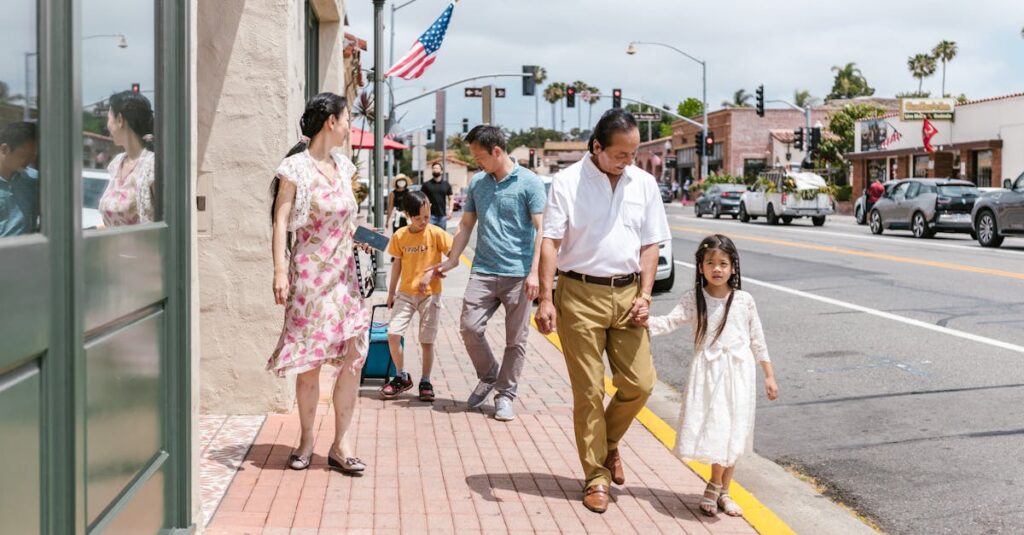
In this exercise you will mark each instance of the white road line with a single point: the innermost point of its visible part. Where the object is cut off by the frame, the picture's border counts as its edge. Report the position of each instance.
(891, 239)
(886, 315)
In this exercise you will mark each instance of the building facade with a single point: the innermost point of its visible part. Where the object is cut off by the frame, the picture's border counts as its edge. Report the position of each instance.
(983, 143)
(657, 158)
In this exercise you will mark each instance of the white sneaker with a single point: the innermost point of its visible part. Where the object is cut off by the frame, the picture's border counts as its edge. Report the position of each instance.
(479, 395)
(503, 411)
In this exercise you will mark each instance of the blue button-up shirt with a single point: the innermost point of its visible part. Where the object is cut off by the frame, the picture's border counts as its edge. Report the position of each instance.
(19, 203)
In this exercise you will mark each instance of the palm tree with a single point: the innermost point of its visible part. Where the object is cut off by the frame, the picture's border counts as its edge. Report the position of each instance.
(553, 93)
(945, 51)
(921, 66)
(595, 97)
(740, 99)
(363, 109)
(539, 76)
(849, 82)
(803, 98)
(580, 86)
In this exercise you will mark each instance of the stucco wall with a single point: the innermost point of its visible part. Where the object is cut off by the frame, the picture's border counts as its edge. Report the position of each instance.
(250, 75)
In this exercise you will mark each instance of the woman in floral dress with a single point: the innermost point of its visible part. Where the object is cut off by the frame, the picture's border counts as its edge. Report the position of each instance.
(325, 320)
(128, 199)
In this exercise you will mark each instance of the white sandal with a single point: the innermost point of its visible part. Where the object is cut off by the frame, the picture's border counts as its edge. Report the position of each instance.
(727, 504)
(709, 502)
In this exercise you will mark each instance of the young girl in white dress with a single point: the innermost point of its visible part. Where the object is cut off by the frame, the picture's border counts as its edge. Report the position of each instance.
(717, 417)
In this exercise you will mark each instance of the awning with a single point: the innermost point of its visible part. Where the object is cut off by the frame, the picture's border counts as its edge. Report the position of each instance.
(361, 139)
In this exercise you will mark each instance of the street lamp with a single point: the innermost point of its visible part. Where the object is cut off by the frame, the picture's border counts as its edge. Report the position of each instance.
(631, 50)
(122, 42)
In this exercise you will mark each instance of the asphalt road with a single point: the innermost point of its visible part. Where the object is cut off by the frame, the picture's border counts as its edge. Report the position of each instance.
(899, 363)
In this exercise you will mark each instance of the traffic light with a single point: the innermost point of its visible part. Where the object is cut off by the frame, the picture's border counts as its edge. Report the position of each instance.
(616, 98)
(570, 97)
(698, 142)
(533, 161)
(136, 88)
(760, 100)
(465, 126)
(530, 81)
(798, 139)
(815, 140)
(433, 129)
(709, 143)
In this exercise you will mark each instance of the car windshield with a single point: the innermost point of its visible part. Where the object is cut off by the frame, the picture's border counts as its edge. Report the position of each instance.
(959, 191)
(733, 187)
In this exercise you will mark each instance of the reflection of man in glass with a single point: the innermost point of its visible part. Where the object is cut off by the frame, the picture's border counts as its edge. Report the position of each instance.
(128, 199)
(19, 183)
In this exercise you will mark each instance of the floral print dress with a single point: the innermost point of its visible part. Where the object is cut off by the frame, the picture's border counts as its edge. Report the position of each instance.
(325, 311)
(128, 199)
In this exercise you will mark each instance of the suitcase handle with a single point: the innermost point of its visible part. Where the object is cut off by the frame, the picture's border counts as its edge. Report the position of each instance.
(373, 311)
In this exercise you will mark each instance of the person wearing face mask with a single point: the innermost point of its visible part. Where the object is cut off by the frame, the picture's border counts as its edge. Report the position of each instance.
(396, 202)
(439, 191)
(19, 183)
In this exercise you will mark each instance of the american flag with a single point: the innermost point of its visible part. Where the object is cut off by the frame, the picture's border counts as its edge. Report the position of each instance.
(893, 138)
(424, 50)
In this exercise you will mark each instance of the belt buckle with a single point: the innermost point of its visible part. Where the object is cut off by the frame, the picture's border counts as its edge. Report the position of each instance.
(613, 279)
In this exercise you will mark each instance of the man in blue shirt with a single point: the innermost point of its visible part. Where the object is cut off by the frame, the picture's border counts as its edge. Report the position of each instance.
(19, 184)
(508, 201)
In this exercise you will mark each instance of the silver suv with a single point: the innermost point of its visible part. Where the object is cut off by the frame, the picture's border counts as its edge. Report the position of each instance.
(925, 206)
(1000, 214)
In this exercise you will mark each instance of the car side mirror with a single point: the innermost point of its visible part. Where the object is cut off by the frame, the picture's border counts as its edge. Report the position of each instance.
(1007, 184)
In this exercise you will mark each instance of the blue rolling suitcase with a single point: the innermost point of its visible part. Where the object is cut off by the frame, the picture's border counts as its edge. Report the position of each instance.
(378, 359)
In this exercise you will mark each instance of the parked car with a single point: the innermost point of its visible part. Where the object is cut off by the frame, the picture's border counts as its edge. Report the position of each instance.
(720, 199)
(925, 206)
(666, 275)
(776, 204)
(1000, 214)
(94, 183)
(457, 201)
(860, 211)
(666, 193)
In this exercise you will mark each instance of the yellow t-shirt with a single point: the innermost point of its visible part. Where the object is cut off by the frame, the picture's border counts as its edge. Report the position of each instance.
(418, 251)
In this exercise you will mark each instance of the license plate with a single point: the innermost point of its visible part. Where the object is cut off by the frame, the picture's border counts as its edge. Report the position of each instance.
(957, 218)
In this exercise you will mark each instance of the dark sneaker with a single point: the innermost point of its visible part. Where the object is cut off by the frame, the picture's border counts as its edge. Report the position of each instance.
(396, 386)
(426, 391)
(479, 394)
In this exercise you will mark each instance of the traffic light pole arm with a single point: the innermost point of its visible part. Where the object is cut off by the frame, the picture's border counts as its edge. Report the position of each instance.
(807, 119)
(661, 110)
(442, 88)
(669, 47)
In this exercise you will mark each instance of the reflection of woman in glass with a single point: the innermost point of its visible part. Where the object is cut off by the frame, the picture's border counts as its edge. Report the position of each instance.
(128, 199)
(325, 320)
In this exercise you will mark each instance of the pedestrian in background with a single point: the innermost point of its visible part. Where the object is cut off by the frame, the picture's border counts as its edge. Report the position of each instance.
(716, 423)
(396, 203)
(415, 248)
(439, 191)
(325, 320)
(875, 192)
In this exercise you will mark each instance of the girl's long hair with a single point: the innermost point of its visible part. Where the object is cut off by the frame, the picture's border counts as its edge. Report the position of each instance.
(715, 242)
(318, 110)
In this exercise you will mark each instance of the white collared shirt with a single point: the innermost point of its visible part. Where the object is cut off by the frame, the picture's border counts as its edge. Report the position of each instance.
(602, 230)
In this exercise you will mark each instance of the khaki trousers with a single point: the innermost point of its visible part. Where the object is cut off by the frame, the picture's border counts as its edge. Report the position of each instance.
(593, 320)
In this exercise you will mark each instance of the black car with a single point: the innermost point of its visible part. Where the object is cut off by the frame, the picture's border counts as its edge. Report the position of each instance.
(666, 192)
(720, 199)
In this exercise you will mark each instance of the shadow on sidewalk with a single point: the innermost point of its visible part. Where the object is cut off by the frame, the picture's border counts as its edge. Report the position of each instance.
(549, 486)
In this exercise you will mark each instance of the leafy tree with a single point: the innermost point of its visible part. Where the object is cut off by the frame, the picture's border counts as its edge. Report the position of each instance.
(691, 107)
(534, 137)
(921, 66)
(842, 123)
(945, 51)
(849, 83)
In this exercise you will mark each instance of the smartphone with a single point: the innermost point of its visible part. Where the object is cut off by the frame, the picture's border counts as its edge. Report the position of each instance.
(372, 238)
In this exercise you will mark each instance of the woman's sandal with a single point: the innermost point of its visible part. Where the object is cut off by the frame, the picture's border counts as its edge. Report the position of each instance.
(299, 462)
(350, 466)
(728, 506)
(709, 502)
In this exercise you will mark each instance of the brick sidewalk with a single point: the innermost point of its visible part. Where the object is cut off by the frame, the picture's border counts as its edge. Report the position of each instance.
(442, 468)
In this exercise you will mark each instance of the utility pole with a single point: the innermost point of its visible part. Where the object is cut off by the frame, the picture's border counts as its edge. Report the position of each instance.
(379, 279)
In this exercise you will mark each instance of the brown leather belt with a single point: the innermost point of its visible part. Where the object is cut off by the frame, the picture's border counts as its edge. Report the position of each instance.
(617, 281)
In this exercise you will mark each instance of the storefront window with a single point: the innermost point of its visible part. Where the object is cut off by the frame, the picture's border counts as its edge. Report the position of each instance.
(312, 52)
(19, 138)
(921, 166)
(876, 170)
(751, 167)
(120, 186)
(983, 168)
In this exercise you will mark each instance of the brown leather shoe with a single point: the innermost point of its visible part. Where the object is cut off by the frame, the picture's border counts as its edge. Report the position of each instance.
(613, 462)
(595, 498)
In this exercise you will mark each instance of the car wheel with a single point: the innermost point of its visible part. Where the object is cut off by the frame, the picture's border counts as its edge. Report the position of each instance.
(875, 221)
(859, 215)
(717, 212)
(665, 285)
(818, 220)
(772, 218)
(787, 219)
(987, 231)
(696, 210)
(734, 216)
(744, 216)
(919, 226)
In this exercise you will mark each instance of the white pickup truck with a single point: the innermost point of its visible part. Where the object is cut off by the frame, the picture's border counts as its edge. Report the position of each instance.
(795, 194)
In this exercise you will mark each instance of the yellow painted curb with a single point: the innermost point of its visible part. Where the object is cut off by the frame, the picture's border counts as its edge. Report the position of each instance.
(759, 516)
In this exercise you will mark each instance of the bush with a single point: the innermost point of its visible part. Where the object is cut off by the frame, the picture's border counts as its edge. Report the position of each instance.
(844, 194)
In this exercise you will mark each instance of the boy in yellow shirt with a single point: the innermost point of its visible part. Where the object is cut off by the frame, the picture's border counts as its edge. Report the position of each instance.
(416, 248)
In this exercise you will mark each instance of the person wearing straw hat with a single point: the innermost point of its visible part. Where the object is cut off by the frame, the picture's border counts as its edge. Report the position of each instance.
(396, 202)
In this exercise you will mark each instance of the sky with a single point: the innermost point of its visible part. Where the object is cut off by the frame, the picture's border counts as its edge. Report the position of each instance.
(785, 45)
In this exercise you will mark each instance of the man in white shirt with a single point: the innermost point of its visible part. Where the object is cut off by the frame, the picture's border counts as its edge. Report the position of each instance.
(602, 226)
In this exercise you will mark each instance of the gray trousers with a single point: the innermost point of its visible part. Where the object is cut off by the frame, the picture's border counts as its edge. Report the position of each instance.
(484, 293)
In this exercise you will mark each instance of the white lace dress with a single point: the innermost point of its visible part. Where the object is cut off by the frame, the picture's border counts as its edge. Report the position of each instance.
(716, 422)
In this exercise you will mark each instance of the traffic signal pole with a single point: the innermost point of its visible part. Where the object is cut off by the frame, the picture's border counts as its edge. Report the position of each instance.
(807, 125)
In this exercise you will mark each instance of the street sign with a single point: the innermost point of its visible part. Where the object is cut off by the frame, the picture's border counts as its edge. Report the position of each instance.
(652, 117)
(475, 92)
(499, 92)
